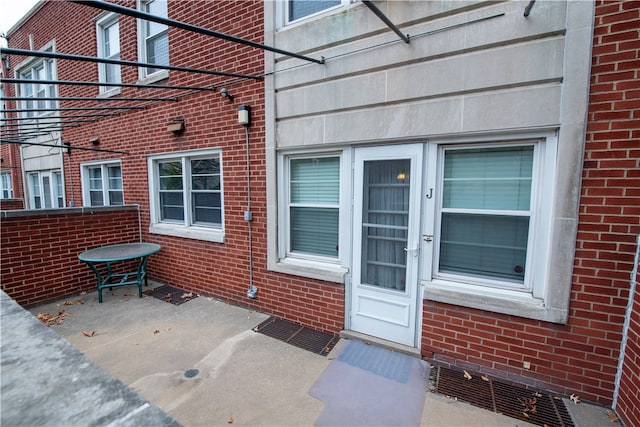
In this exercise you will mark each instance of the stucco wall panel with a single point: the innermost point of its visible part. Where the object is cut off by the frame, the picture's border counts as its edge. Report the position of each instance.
(510, 109)
(369, 51)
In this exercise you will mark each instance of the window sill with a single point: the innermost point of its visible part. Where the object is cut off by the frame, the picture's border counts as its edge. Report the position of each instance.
(196, 233)
(514, 303)
(310, 269)
(155, 77)
(109, 93)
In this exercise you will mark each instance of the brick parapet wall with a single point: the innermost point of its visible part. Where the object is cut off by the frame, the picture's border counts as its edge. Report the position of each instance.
(39, 249)
(220, 270)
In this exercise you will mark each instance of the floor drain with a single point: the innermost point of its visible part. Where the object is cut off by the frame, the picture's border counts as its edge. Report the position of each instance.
(191, 373)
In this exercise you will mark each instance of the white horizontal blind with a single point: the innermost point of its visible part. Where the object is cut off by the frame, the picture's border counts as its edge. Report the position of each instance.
(486, 212)
(314, 193)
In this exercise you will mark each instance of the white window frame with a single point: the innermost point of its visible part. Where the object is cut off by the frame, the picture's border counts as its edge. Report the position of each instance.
(56, 186)
(143, 73)
(6, 191)
(535, 296)
(187, 228)
(85, 177)
(101, 25)
(331, 269)
(28, 70)
(283, 12)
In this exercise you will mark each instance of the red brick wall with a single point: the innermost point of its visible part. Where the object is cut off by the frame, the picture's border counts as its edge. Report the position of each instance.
(610, 211)
(220, 270)
(11, 204)
(582, 356)
(39, 250)
(10, 162)
(628, 401)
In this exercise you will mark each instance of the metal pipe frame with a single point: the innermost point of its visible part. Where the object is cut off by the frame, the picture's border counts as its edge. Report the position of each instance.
(70, 116)
(386, 20)
(182, 25)
(29, 110)
(87, 98)
(53, 55)
(83, 83)
(71, 147)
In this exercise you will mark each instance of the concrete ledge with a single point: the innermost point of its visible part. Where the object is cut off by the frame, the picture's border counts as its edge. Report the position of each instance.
(46, 381)
(65, 211)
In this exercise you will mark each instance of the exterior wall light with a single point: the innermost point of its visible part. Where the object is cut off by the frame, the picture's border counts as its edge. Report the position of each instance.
(226, 94)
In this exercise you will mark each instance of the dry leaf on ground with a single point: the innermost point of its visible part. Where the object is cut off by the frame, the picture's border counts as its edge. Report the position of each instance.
(485, 378)
(575, 398)
(157, 331)
(76, 302)
(186, 295)
(52, 319)
(89, 334)
(612, 416)
(467, 375)
(230, 420)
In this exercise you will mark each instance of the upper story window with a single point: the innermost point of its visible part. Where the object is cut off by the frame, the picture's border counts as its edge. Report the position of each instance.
(297, 9)
(108, 35)
(6, 189)
(37, 93)
(102, 184)
(186, 195)
(153, 40)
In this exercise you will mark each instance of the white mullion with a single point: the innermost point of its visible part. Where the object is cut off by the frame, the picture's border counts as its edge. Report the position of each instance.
(105, 185)
(186, 189)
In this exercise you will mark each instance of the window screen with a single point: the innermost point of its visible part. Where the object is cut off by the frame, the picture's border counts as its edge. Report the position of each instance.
(486, 212)
(314, 191)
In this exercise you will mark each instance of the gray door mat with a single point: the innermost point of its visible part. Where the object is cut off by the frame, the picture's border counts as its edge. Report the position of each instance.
(297, 335)
(371, 386)
(171, 295)
(517, 402)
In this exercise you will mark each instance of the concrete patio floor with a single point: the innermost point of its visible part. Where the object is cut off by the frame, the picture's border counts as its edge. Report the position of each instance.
(245, 378)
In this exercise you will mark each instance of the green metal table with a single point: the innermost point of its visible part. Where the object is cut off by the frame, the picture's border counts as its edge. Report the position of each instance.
(123, 252)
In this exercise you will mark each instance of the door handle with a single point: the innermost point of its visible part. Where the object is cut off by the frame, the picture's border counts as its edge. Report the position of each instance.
(415, 251)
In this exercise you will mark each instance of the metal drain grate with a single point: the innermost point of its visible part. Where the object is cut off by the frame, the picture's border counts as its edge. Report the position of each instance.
(170, 294)
(516, 402)
(300, 336)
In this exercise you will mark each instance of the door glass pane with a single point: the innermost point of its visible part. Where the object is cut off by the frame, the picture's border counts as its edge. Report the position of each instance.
(491, 246)
(385, 219)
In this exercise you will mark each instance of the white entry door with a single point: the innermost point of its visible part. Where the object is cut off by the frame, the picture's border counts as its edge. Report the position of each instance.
(386, 212)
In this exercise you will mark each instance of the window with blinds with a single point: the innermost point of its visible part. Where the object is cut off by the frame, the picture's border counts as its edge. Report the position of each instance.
(154, 40)
(300, 8)
(486, 212)
(313, 205)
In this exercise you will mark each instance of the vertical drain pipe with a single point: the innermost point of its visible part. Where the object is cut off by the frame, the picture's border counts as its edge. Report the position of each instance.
(627, 321)
(244, 112)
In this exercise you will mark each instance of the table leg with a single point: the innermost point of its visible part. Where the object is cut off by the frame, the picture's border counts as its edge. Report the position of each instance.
(99, 278)
(142, 274)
